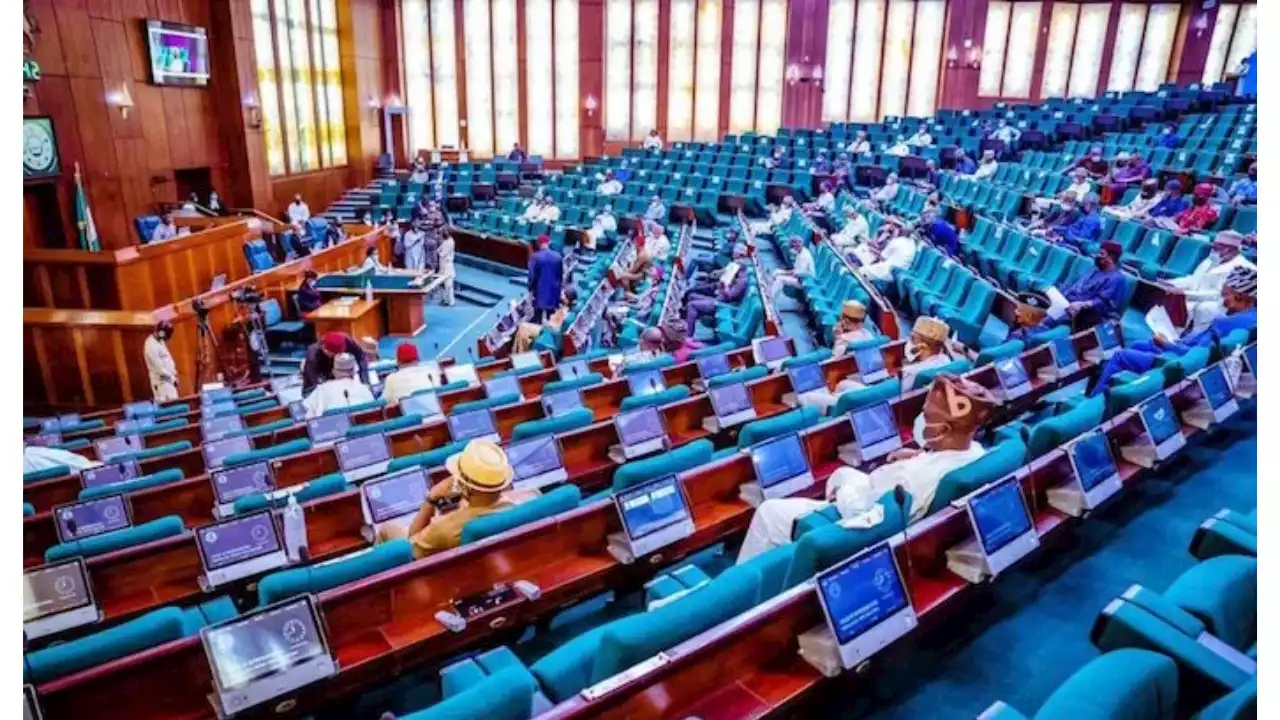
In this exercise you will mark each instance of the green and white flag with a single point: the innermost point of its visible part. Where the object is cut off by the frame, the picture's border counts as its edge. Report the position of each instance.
(84, 218)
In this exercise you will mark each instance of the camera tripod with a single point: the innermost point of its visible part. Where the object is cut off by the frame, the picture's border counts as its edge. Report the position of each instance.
(209, 363)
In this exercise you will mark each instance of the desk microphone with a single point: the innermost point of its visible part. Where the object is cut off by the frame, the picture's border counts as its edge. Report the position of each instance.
(900, 499)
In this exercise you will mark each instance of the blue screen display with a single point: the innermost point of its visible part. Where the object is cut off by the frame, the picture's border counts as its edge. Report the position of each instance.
(237, 540)
(869, 360)
(570, 369)
(1215, 386)
(396, 495)
(862, 592)
(1108, 337)
(505, 385)
(807, 377)
(472, 424)
(218, 428)
(1064, 352)
(730, 399)
(1093, 461)
(139, 409)
(136, 425)
(646, 382)
(219, 450)
(362, 451)
(109, 474)
(425, 404)
(779, 460)
(120, 445)
(874, 424)
(535, 456)
(637, 426)
(328, 428)
(1162, 421)
(561, 402)
(709, 367)
(213, 397)
(264, 643)
(228, 485)
(652, 506)
(523, 360)
(1012, 373)
(93, 517)
(217, 409)
(1000, 514)
(773, 349)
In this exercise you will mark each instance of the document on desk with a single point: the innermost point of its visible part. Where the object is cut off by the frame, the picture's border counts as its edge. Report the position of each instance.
(1160, 323)
(347, 300)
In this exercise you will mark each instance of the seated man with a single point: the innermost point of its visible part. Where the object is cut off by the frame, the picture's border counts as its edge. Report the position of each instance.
(888, 191)
(1050, 218)
(899, 148)
(954, 410)
(964, 164)
(419, 175)
(1171, 205)
(1203, 287)
(854, 232)
(409, 376)
(921, 138)
(1200, 215)
(166, 230)
(603, 222)
(1128, 171)
(533, 211)
(40, 457)
(1093, 299)
(639, 266)
(657, 241)
(1240, 302)
(894, 249)
(1083, 233)
(790, 280)
(941, 233)
(701, 299)
(988, 167)
(528, 331)
(859, 145)
(1093, 164)
(308, 296)
(517, 154)
(1242, 192)
(826, 201)
(778, 216)
(549, 212)
(610, 186)
(657, 211)
(850, 329)
(344, 390)
(1148, 197)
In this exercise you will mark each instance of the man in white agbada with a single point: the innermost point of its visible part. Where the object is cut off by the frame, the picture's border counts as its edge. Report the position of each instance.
(778, 215)
(657, 241)
(160, 366)
(856, 230)
(344, 390)
(899, 148)
(415, 243)
(298, 211)
(602, 223)
(410, 376)
(922, 138)
(897, 253)
(801, 268)
(1203, 287)
(888, 191)
(953, 411)
(40, 457)
(987, 167)
(444, 266)
(610, 186)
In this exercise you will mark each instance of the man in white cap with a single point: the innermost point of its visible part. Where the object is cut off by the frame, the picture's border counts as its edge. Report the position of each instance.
(988, 167)
(344, 390)
(855, 231)
(1203, 287)
(953, 411)
(850, 329)
(896, 253)
(925, 349)
(603, 222)
(790, 281)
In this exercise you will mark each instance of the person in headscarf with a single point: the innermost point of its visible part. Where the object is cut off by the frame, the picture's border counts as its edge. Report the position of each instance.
(955, 409)
(1239, 302)
(1200, 215)
(1203, 287)
(1148, 197)
(343, 390)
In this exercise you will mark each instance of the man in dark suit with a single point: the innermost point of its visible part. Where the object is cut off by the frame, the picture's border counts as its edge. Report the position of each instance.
(546, 270)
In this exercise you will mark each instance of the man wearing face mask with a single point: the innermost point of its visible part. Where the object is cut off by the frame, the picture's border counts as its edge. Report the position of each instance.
(1203, 287)
(1093, 299)
(1148, 197)
(850, 329)
(1242, 192)
(925, 349)
(953, 412)
(160, 366)
(1201, 214)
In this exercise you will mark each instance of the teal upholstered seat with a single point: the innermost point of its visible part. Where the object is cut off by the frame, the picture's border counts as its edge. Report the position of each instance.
(883, 391)
(676, 461)
(77, 444)
(492, 402)
(1182, 366)
(292, 447)
(359, 407)
(427, 459)
(1235, 340)
(156, 451)
(710, 350)
(1223, 594)
(320, 487)
(1053, 432)
(563, 422)
(163, 426)
(264, 428)
(250, 394)
(664, 397)
(28, 509)
(955, 367)
(505, 695)
(320, 577)
(997, 462)
(758, 431)
(577, 382)
(385, 426)
(256, 406)
(812, 356)
(562, 499)
(449, 387)
(1120, 685)
(1226, 533)
(821, 543)
(164, 477)
(158, 529)
(654, 364)
(167, 410)
(1004, 350)
(1125, 396)
(739, 376)
(45, 473)
(1239, 704)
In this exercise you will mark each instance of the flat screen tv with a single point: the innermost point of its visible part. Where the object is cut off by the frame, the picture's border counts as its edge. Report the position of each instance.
(179, 53)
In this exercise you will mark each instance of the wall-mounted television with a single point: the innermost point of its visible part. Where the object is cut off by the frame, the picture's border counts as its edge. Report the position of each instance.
(179, 53)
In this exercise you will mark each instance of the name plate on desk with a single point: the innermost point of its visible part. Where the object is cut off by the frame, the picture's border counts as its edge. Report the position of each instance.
(875, 434)
(654, 515)
(57, 597)
(1217, 399)
(1004, 531)
(1094, 476)
(240, 547)
(732, 406)
(608, 685)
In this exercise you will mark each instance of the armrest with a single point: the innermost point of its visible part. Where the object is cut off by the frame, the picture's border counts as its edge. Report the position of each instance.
(1217, 537)
(1160, 607)
(1126, 624)
(1000, 711)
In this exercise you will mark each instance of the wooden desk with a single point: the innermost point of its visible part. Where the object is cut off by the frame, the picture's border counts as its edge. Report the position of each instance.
(361, 318)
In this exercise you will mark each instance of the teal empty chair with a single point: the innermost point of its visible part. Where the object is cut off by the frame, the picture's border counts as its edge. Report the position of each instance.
(505, 695)
(361, 407)
(250, 394)
(1123, 684)
(291, 447)
(77, 444)
(577, 382)
(994, 464)
(45, 473)
(883, 391)
(428, 459)
(385, 426)
(450, 387)
(156, 451)
(789, 422)
(264, 428)
(1223, 594)
(164, 477)
(163, 426)
(1226, 533)
(323, 576)
(1183, 366)
(1053, 432)
(738, 376)
(1187, 253)
(674, 461)
(158, 529)
(654, 364)
(495, 401)
(955, 367)
(165, 411)
(670, 395)
(554, 425)
(562, 499)
(256, 406)
(1003, 351)
(711, 350)
(320, 487)
(821, 542)
(1125, 396)
(83, 425)
(28, 509)
(814, 356)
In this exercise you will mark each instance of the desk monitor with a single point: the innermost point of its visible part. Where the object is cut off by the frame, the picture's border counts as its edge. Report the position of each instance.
(1064, 356)
(503, 385)
(1004, 526)
(1108, 335)
(240, 547)
(713, 366)
(328, 428)
(770, 351)
(426, 404)
(1216, 388)
(732, 404)
(216, 396)
(654, 514)
(870, 362)
(462, 373)
(217, 452)
(537, 462)
(213, 410)
(640, 431)
(875, 430)
(297, 412)
(136, 425)
(1013, 377)
(1163, 425)
(364, 456)
(1095, 468)
(571, 369)
(781, 466)
(142, 408)
(110, 447)
(395, 497)
(109, 474)
(866, 604)
(266, 653)
(473, 424)
(77, 521)
(561, 402)
(646, 382)
(220, 427)
(807, 378)
(523, 360)
(287, 390)
(57, 597)
(30, 705)
(234, 483)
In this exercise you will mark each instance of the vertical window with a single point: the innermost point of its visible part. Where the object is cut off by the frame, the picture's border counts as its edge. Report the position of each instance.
(758, 67)
(479, 74)
(417, 74)
(299, 83)
(539, 113)
(617, 64)
(566, 78)
(1157, 44)
(867, 46)
(773, 58)
(993, 45)
(1024, 38)
(926, 55)
(897, 57)
(1124, 59)
(644, 80)
(1223, 29)
(680, 66)
(444, 64)
(1085, 62)
(631, 68)
(1245, 40)
(506, 76)
(706, 94)
(742, 69)
(835, 99)
(1057, 59)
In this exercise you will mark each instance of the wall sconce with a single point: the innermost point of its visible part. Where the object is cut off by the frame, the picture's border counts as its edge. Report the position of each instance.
(121, 99)
(254, 109)
(374, 103)
(393, 100)
(975, 58)
(953, 58)
(591, 104)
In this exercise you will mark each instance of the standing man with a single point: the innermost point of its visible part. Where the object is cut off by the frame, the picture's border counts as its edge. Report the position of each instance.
(444, 266)
(415, 242)
(317, 366)
(160, 366)
(546, 275)
(298, 210)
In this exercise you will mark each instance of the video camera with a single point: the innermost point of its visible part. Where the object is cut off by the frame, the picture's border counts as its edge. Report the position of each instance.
(247, 295)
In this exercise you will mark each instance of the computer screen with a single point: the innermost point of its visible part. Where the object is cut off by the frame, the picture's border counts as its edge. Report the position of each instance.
(218, 428)
(216, 452)
(263, 643)
(297, 412)
(1012, 373)
(455, 373)
(1108, 336)
(561, 402)
(805, 378)
(237, 540)
(570, 369)
(109, 447)
(874, 424)
(1217, 390)
(109, 474)
(535, 456)
(713, 365)
(92, 517)
(1093, 460)
(1162, 421)
(362, 451)
(779, 460)
(652, 506)
(53, 589)
(774, 349)
(288, 390)
(213, 410)
(1064, 352)
(505, 385)
(142, 408)
(136, 425)
(646, 382)
(730, 399)
(66, 420)
(869, 360)
(1000, 514)
(639, 425)
(215, 396)
(328, 428)
(234, 483)
(471, 424)
(425, 404)
(862, 592)
(396, 495)
(523, 360)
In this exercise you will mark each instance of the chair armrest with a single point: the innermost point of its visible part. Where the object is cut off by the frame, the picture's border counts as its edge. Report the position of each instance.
(1000, 711)
(1217, 537)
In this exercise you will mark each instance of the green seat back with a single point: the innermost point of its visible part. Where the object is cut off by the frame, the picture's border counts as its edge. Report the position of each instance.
(158, 529)
(883, 391)
(322, 486)
(670, 395)
(1125, 396)
(1053, 432)
(155, 628)
(675, 461)
(1126, 684)
(164, 477)
(427, 459)
(994, 464)
(1222, 593)
(554, 425)
(562, 499)
(320, 577)
(796, 420)
(385, 426)
(292, 447)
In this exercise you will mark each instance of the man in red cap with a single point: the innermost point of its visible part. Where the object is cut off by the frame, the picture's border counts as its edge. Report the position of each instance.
(410, 376)
(317, 367)
(1196, 218)
(546, 276)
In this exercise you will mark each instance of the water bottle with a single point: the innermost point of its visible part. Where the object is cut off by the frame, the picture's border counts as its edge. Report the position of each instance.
(368, 291)
(295, 531)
